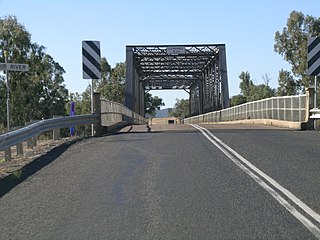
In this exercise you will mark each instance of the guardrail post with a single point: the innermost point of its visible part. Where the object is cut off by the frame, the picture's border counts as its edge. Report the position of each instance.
(19, 149)
(34, 139)
(7, 154)
(19, 146)
(56, 132)
(29, 141)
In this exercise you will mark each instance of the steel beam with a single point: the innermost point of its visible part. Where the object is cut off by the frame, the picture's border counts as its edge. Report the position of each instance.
(152, 65)
(224, 77)
(130, 81)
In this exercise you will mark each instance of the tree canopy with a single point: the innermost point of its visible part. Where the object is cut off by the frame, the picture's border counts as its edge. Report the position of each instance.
(41, 93)
(112, 84)
(291, 44)
(151, 104)
(181, 109)
(38, 93)
(251, 92)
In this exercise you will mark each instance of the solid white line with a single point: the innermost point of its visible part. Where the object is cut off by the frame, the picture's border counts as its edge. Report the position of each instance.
(285, 191)
(219, 144)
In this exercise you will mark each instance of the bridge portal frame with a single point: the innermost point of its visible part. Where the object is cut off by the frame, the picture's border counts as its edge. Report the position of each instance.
(199, 69)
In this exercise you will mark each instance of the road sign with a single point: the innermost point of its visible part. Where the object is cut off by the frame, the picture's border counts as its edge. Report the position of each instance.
(175, 50)
(2, 66)
(14, 67)
(91, 60)
(17, 67)
(313, 56)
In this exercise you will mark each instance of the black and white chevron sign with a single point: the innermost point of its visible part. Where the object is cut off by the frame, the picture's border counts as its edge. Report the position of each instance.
(91, 60)
(313, 56)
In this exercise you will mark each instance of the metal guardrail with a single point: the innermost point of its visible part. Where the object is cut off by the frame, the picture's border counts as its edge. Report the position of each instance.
(108, 113)
(23, 134)
(286, 108)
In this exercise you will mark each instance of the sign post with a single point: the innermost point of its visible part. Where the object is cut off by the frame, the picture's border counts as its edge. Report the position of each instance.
(11, 67)
(91, 65)
(313, 59)
(8, 90)
(72, 113)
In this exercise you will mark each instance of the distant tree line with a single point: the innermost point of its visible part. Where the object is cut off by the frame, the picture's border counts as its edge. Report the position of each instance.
(291, 44)
(41, 93)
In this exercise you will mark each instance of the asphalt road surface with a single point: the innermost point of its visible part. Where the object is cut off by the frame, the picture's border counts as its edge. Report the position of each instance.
(173, 182)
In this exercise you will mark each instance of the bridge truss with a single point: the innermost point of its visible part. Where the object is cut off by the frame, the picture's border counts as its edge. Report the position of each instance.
(201, 70)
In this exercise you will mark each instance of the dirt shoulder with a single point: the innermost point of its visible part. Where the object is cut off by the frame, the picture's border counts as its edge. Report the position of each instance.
(19, 161)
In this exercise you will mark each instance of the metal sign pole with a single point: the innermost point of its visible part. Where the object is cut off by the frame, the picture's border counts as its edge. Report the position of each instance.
(315, 92)
(8, 91)
(92, 131)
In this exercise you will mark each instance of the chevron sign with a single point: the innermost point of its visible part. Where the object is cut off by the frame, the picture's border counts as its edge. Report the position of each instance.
(313, 56)
(91, 60)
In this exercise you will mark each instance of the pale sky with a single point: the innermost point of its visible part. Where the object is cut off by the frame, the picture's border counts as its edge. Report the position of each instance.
(247, 27)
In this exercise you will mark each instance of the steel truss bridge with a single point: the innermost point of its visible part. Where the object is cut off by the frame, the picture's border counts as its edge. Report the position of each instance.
(200, 70)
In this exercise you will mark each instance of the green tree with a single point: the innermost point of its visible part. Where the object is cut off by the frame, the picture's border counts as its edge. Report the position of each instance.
(287, 86)
(151, 104)
(237, 100)
(112, 85)
(82, 106)
(38, 93)
(181, 109)
(82, 102)
(261, 91)
(245, 84)
(250, 91)
(291, 44)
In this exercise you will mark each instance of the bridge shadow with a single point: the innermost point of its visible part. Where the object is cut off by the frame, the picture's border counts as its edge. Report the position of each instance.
(12, 180)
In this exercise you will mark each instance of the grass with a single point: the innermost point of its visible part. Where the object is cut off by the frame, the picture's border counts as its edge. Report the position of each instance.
(17, 173)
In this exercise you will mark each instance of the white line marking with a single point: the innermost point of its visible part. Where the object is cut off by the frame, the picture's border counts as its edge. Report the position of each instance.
(285, 191)
(223, 147)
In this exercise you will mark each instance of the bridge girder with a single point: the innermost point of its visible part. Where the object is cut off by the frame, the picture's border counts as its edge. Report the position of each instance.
(200, 68)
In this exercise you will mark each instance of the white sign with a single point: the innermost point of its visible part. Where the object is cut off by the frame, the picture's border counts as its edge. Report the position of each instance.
(2, 66)
(14, 67)
(17, 67)
(175, 50)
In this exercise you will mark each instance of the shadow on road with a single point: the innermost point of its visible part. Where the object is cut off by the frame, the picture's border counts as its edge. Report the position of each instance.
(12, 180)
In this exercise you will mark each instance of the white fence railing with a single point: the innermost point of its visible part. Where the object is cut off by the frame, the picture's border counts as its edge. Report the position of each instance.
(287, 108)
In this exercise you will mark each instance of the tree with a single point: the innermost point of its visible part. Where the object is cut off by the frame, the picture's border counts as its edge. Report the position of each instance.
(261, 91)
(291, 44)
(287, 86)
(250, 91)
(38, 93)
(112, 85)
(245, 83)
(82, 106)
(181, 109)
(151, 104)
(237, 100)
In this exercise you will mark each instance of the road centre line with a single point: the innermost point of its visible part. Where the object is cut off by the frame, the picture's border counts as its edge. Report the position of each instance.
(258, 177)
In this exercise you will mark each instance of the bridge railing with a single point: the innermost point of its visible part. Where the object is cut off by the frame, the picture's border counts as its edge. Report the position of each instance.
(113, 112)
(286, 108)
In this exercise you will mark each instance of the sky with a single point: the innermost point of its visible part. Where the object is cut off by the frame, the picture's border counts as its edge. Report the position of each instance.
(247, 27)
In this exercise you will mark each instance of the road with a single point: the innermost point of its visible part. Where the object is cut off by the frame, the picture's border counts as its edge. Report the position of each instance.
(173, 182)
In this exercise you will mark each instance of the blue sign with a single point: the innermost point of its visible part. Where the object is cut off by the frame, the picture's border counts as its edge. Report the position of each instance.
(72, 113)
